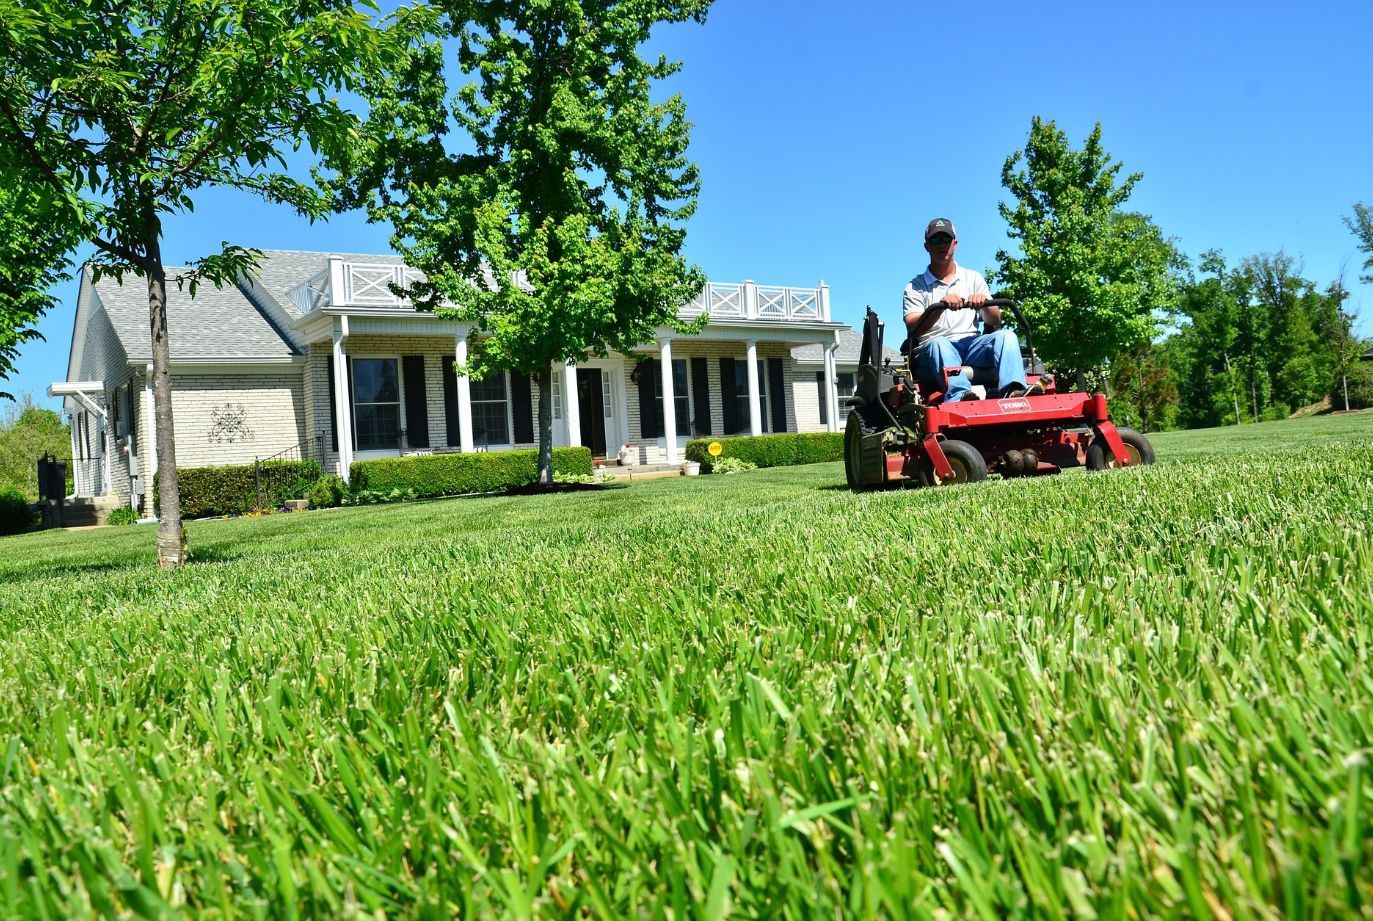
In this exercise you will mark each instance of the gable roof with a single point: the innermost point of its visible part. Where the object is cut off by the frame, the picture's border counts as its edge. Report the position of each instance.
(850, 348)
(219, 324)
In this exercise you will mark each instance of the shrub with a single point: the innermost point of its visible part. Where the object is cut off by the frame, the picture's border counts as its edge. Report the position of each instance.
(232, 489)
(781, 450)
(1360, 375)
(122, 516)
(327, 492)
(15, 513)
(724, 464)
(457, 474)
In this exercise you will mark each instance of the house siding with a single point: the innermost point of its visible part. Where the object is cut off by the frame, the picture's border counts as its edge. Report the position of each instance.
(103, 359)
(234, 418)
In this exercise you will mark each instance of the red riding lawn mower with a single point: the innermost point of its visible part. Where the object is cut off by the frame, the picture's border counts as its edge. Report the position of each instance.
(901, 431)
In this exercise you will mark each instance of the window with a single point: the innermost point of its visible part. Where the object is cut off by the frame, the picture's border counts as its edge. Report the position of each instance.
(376, 403)
(681, 396)
(117, 414)
(491, 411)
(741, 418)
(844, 384)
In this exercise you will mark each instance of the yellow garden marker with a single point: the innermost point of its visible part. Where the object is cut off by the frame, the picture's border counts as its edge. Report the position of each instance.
(715, 449)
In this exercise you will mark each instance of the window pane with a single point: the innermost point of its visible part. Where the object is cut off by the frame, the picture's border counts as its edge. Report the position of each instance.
(679, 376)
(492, 388)
(374, 380)
(845, 384)
(378, 427)
(683, 414)
(489, 424)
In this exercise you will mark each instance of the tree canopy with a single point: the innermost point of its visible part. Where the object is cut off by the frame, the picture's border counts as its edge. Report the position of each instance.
(120, 112)
(1361, 226)
(36, 239)
(556, 225)
(1090, 276)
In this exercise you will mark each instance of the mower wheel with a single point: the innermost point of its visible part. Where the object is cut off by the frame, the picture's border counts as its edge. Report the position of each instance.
(967, 462)
(856, 430)
(1099, 456)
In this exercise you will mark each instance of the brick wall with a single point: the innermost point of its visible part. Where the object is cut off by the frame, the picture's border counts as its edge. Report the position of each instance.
(234, 417)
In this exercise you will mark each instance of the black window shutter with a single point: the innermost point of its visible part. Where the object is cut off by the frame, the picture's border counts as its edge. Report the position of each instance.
(522, 407)
(333, 407)
(133, 417)
(824, 403)
(729, 400)
(650, 425)
(700, 396)
(777, 393)
(450, 404)
(416, 401)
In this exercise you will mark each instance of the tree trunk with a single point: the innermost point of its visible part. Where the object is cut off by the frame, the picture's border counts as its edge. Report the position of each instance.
(545, 379)
(172, 545)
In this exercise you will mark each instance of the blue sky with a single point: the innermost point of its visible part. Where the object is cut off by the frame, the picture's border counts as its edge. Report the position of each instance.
(827, 134)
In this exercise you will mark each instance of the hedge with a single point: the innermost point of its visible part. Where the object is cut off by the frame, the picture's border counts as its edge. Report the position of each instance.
(15, 512)
(232, 489)
(456, 474)
(781, 450)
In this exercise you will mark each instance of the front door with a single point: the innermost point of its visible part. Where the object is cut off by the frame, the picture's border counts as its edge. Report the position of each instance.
(591, 398)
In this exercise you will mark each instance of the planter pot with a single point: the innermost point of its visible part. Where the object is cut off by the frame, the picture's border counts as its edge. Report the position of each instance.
(691, 468)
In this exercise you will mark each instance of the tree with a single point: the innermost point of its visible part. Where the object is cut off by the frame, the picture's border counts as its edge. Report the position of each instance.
(1090, 277)
(35, 241)
(1361, 226)
(560, 233)
(122, 111)
(27, 432)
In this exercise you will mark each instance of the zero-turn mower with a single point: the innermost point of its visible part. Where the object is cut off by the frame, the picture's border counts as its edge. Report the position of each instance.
(900, 430)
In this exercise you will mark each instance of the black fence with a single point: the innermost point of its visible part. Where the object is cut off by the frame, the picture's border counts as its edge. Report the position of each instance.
(285, 474)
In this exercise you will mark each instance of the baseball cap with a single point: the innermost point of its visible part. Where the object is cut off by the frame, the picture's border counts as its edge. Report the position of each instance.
(940, 225)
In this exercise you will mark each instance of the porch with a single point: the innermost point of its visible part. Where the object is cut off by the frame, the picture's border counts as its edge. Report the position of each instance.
(384, 373)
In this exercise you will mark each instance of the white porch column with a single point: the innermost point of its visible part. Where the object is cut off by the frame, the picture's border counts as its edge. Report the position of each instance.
(831, 401)
(669, 402)
(465, 442)
(343, 403)
(572, 404)
(107, 431)
(76, 456)
(150, 456)
(755, 410)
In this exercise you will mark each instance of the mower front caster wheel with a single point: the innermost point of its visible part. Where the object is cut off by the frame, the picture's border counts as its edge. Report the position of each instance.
(967, 463)
(1099, 456)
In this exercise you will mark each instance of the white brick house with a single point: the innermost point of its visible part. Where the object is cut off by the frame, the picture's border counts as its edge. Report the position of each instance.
(315, 344)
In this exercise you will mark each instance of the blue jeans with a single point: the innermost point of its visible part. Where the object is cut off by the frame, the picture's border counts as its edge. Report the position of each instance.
(998, 351)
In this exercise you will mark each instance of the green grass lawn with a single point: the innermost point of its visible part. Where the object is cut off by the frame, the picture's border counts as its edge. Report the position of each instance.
(1137, 693)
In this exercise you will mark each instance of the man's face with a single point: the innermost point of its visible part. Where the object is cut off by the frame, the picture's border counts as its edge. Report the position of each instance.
(941, 247)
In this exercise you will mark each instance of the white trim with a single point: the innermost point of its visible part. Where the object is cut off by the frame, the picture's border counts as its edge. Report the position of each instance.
(669, 397)
(755, 412)
(572, 403)
(343, 412)
(466, 443)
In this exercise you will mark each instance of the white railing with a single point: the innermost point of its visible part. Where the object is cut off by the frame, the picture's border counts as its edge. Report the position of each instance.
(362, 284)
(748, 301)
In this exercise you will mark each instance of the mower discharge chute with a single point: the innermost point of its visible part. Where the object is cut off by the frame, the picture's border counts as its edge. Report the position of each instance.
(900, 431)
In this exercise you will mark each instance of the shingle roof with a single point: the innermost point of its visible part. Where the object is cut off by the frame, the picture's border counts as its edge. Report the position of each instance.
(850, 348)
(219, 323)
(1368, 356)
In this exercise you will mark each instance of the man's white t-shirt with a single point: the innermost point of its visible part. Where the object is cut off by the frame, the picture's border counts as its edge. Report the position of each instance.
(925, 289)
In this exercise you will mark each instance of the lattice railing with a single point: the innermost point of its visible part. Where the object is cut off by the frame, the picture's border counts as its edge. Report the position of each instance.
(788, 304)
